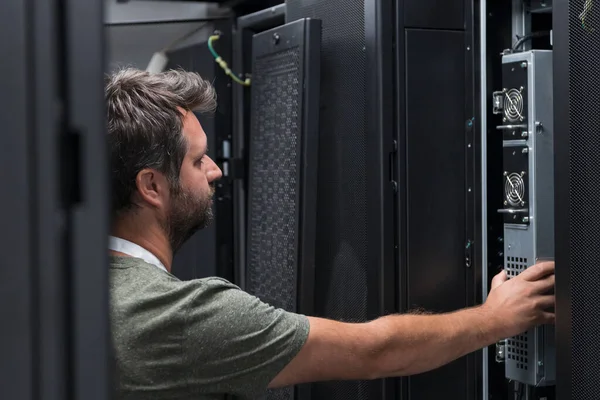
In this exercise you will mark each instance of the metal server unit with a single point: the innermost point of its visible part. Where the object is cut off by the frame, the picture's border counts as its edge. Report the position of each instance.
(526, 105)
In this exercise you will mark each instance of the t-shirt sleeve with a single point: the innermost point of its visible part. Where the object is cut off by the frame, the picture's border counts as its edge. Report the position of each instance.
(237, 344)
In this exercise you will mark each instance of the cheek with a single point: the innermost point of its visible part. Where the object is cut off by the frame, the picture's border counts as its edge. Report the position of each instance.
(194, 179)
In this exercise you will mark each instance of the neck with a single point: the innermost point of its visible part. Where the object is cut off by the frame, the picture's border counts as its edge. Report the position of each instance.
(149, 236)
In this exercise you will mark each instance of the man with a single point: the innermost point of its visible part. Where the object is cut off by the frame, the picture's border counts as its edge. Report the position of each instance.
(204, 338)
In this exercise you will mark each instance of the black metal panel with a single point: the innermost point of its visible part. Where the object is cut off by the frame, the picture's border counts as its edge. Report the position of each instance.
(263, 20)
(247, 26)
(283, 168)
(562, 198)
(435, 14)
(54, 254)
(577, 146)
(436, 156)
(89, 220)
(355, 275)
(17, 250)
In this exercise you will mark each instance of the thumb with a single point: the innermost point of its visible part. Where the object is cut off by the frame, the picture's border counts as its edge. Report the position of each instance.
(499, 279)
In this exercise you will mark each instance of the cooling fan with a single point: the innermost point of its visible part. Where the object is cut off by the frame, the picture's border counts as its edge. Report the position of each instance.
(514, 190)
(513, 105)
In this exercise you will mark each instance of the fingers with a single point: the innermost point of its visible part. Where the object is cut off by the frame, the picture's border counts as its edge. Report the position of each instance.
(499, 279)
(548, 318)
(538, 271)
(544, 285)
(545, 302)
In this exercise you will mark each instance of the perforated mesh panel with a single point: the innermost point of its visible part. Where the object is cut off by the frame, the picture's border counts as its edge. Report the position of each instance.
(271, 273)
(518, 351)
(517, 348)
(584, 195)
(341, 252)
(274, 163)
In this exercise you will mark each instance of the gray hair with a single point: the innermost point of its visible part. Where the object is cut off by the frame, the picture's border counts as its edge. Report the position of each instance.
(145, 125)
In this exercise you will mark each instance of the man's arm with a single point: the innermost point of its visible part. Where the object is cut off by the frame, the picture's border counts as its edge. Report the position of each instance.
(410, 344)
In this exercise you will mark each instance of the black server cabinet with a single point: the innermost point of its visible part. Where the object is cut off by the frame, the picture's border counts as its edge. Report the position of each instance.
(439, 197)
(54, 218)
(246, 27)
(576, 25)
(283, 165)
(354, 255)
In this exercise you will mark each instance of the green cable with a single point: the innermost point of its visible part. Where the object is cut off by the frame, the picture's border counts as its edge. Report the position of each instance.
(223, 64)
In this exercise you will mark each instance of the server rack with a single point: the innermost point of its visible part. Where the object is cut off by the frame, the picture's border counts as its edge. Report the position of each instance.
(54, 275)
(283, 170)
(355, 274)
(246, 27)
(576, 24)
(517, 168)
(439, 199)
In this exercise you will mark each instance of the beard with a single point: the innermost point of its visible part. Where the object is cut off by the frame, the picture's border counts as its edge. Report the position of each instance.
(187, 215)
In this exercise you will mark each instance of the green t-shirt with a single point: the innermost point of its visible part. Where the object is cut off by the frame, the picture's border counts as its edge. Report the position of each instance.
(199, 339)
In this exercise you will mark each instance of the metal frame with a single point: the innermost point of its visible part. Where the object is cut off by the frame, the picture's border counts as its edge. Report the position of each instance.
(473, 206)
(401, 177)
(562, 169)
(382, 149)
(483, 105)
(495, 35)
(242, 55)
(55, 275)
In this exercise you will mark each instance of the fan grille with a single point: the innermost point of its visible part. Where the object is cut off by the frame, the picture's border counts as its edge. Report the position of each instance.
(514, 188)
(513, 109)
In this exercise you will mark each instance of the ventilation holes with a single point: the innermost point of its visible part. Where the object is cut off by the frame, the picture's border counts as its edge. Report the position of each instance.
(515, 265)
(518, 351)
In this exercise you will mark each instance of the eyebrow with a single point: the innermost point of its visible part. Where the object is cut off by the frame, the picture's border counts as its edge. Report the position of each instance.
(202, 154)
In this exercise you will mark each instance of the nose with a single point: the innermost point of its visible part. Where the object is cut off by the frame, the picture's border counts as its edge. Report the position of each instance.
(214, 172)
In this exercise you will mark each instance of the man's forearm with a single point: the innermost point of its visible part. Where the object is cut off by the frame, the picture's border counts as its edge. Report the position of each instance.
(412, 344)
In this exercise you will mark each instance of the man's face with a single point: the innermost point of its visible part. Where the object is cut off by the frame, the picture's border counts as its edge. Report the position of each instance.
(190, 205)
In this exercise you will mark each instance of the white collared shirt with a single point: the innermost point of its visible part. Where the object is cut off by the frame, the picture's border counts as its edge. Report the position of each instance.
(134, 250)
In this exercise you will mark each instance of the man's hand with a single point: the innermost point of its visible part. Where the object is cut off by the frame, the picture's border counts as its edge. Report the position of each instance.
(401, 345)
(524, 301)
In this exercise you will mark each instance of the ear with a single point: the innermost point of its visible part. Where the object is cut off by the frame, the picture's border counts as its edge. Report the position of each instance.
(152, 187)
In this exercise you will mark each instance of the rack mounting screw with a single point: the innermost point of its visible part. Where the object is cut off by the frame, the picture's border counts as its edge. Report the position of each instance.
(523, 64)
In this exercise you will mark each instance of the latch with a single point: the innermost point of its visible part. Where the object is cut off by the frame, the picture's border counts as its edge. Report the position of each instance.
(498, 102)
(501, 351)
